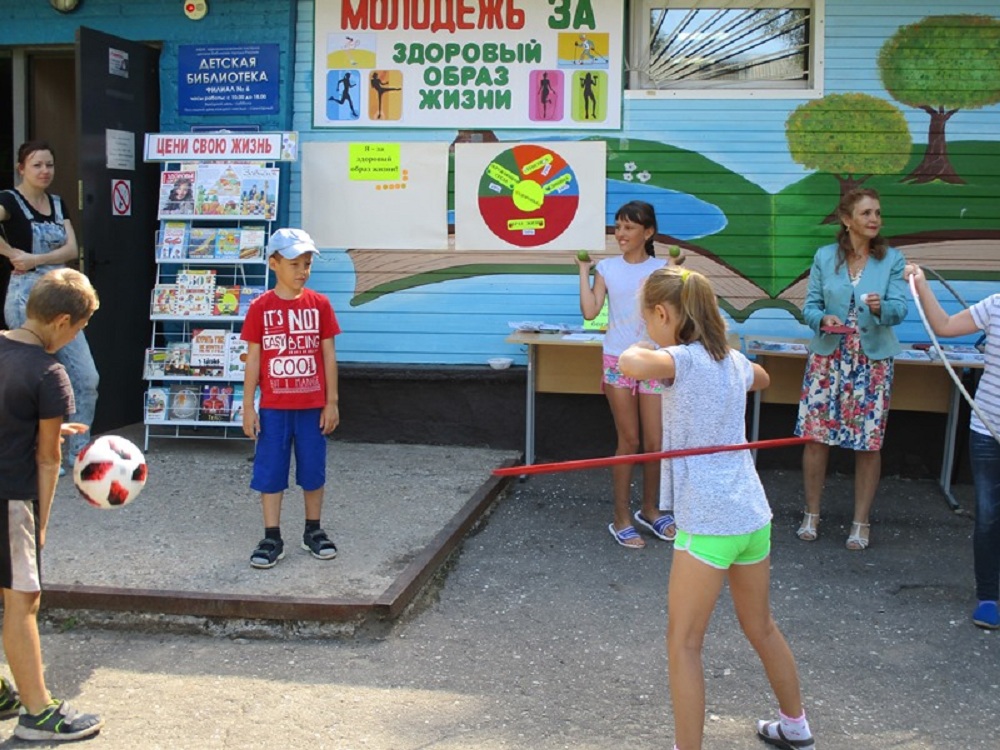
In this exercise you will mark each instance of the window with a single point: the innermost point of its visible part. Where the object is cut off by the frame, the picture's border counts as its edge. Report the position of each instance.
(726, 48)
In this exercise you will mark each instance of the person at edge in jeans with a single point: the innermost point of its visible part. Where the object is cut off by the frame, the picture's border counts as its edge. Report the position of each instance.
(984, 451)
(37, 236)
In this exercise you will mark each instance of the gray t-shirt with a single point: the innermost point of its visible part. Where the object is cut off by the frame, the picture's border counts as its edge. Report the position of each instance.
(716, 493)
(33, 386)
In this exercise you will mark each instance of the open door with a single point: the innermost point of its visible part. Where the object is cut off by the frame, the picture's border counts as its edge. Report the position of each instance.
(118, 102)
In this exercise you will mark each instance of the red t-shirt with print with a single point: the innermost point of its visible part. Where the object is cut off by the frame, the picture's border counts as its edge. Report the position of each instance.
(289, 332)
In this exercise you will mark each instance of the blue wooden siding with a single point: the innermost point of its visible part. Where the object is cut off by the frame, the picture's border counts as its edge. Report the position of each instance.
(461, 319)
(165, 25)
(464, 320)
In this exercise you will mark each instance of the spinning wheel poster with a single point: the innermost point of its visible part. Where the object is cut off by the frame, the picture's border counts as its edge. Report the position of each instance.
(546, 196)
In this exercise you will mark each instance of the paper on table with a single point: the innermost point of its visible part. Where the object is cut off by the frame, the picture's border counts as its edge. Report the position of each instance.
(583, 337)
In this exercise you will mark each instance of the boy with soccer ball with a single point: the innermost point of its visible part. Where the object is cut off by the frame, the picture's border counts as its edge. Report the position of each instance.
(291, 356)
(35, 397)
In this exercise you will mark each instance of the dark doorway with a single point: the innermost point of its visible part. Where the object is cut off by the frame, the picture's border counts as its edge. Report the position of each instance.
(6, 123)
(118, 103)
(52, 117)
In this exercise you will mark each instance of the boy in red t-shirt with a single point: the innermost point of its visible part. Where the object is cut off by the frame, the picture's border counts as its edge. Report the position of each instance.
(291, 356)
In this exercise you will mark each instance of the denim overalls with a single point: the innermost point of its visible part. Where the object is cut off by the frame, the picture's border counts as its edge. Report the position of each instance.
(75, 356)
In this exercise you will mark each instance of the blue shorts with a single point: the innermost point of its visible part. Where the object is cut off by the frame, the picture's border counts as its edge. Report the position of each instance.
(723, 552)
(280, 430)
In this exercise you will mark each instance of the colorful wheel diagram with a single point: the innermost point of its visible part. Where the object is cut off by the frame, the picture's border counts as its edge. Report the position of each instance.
(528, 195)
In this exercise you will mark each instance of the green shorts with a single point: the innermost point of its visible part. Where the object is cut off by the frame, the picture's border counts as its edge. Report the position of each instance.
(722, 552)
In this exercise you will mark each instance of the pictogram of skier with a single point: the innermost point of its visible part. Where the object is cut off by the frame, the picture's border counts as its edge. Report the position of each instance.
(588, 83)
(588, 51)
(380, 88)
(345, 85)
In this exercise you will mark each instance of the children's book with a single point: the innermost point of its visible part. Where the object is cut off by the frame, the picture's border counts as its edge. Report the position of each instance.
(195, 292)
(236, 413)
(201, 242)
(195, 303)
(236, 355)
(156, 364)
(202, 279)
(185, 400)
(227, 300)
(247, 295)
(156, 404)
(216, 403)
(252, 241)
(227, 243)
(208, 351)
(164, 300)
(178, 360)
(173, 240)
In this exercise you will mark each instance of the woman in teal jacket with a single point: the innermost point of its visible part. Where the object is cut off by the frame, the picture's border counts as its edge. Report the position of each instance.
(856, 295)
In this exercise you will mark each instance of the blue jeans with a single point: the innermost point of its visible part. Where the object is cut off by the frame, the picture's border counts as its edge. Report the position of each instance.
(984, 453)
(75, 357)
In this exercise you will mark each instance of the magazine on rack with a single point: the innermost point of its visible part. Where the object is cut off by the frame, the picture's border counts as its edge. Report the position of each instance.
(177, 194)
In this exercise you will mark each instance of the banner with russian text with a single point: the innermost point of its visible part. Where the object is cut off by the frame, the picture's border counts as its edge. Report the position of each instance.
(222, 146)
(470, 64)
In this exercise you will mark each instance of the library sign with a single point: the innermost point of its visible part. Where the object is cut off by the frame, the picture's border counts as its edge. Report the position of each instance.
(472, 64)
(227, 79)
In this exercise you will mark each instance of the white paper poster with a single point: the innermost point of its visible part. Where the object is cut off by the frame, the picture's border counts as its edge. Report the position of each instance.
(463, 64)
(518, 196)
(375, 195)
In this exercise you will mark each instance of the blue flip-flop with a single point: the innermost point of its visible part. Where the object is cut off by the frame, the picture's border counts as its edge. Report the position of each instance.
(658, 528)
(626, 535)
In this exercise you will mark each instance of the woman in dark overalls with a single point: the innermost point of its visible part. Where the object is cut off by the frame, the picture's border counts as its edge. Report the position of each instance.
(37, 237)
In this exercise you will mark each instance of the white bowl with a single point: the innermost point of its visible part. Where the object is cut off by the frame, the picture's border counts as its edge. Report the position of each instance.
(500, 363)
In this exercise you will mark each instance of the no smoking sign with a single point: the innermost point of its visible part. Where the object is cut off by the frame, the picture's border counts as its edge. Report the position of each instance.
(121, 197)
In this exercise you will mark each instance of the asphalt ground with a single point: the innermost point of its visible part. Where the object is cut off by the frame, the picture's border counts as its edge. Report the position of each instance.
(539, 631)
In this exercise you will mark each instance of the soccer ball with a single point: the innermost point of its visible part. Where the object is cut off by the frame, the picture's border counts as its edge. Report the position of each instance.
(110, 472)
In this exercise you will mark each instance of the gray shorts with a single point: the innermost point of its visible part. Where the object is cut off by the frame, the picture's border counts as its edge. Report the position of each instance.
(19, 553)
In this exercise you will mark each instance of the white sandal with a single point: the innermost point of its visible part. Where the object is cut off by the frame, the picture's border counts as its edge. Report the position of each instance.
(856, 542)
(772, 734)
(809, 530)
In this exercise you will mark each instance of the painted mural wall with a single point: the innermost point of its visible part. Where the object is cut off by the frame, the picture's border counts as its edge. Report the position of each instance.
(747, 187)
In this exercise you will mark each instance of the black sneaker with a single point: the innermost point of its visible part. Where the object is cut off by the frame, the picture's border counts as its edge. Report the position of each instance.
(57, 722)
(318, 544)
(10, 704)
(268, 552)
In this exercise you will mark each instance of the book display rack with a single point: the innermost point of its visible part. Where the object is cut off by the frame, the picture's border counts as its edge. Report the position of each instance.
(215, 219)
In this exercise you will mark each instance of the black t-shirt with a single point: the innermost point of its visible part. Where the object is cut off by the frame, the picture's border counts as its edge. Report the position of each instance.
(17, 230)
(16, 227)
(33, 386)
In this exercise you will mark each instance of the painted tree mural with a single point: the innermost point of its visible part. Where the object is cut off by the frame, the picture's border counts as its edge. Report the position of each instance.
(942, 64)
(850, 136)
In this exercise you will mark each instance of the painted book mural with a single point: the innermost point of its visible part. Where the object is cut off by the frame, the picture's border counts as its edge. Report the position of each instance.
(923, 129)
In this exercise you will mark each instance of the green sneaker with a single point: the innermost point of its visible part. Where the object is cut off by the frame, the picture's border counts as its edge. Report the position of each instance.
(9, 702)
(57, 722)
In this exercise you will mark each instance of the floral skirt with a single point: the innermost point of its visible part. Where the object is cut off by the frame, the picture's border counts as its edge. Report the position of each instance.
(845, 397)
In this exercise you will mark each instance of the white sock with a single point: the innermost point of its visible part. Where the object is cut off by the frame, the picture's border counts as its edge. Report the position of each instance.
(795, 728)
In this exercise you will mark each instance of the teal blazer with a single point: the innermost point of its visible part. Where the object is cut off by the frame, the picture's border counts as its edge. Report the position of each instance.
(830, 292)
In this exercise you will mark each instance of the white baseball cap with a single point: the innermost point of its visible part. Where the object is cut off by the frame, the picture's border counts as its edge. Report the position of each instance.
(291, 243)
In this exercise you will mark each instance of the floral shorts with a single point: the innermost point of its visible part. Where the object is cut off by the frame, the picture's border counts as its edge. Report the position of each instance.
(614, 378)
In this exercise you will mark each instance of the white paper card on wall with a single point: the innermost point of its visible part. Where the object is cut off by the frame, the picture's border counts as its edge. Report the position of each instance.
(120, 149)
(118, 62)
(523, 196)
(376, 196)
